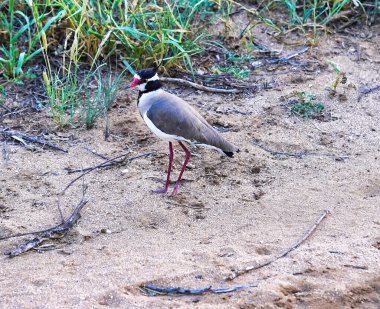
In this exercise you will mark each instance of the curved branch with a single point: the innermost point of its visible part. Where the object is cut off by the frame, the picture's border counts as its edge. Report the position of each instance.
(199, 87)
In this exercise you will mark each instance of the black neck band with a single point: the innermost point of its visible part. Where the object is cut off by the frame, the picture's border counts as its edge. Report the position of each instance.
(150, 86)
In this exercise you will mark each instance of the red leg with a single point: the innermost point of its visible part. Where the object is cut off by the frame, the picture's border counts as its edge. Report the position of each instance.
(171, 155)
(187, 158)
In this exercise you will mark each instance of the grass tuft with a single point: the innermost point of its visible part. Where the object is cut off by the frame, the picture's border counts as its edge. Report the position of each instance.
(306, 105)
(97, 104)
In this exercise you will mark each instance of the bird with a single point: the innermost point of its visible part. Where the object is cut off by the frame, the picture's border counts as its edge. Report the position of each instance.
(172, 119)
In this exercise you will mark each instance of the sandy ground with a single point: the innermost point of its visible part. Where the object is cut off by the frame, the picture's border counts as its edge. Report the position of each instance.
(230, 213)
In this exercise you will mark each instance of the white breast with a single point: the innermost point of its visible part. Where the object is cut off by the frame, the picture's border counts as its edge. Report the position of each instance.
(162, 135)
(146, 100)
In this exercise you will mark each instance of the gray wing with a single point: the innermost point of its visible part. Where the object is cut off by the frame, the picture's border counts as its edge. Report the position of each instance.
(174, 116)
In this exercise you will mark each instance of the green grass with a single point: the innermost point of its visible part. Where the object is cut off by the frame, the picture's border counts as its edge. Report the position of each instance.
(2, 95)
(97, 104)
(21, 42)
(77, 99)
(78, 35)
(306, 105)
(139, 33)
(315, 15)
(319, 12)
(64, 96)
(235, 71)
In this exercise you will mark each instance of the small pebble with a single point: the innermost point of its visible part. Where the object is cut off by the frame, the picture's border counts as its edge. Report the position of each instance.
(105, 231)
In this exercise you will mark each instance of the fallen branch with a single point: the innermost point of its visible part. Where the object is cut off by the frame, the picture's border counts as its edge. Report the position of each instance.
(155, 290)
(22, 137)
(5, 152)
(305, 236)
(12, 113)
(275, 60)
(95, 153)
(363, 90)
(199, 87)
(55, 232)
(107, 163)
(300, 154)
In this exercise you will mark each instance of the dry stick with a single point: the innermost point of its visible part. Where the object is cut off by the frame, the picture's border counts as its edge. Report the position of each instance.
(306, 235)
(342, 14)
(5, 152)
(274, 60)
(106, 163)
(367, 90)
(60, 210)
(7, 133)
(296, 154)
(157, 290)
(90, 169)
(35, 232)
(95, 153)
(11, 113)
(57, 231)
(199, 87)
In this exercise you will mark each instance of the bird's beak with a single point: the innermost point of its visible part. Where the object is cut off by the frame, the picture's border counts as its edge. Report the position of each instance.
(134, 82)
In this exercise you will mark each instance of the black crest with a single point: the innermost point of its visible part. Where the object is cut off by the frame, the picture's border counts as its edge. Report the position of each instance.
(147, 73)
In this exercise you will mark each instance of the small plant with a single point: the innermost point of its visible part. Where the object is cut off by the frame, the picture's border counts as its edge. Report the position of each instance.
(305, 105)
(63, 96)
(98, 103)
(340, 77)
(237, 72)
(2, 95)
(315, 15)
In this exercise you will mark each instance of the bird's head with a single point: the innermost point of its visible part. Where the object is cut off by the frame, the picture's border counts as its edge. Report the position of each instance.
(142, 77)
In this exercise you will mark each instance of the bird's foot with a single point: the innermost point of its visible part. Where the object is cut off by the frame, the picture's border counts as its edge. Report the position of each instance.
(175, 190)
(161, 190)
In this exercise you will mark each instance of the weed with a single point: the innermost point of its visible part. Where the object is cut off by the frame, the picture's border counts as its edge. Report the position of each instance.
(319, 12)
(314, 14)
(64, 94)
(2, 95)
(306, 105)
(340, 76)
(229, 55)
(97, 104)
(21, 45)
(237, 72)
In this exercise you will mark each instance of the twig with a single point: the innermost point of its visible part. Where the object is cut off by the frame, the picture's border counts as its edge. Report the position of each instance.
(350, 22)
(199, 87)
(57, 231)
(5, 152)
(11, 113)
(155, 290)
(60, 210)
(283, 59)
(8, 133)
(107, 163)
(95, 153)
(306, 235)
(6, 108)
(364, 267)
(296, 154)
(195, 206)
(365, 90)
(90, 169)
(341, 15)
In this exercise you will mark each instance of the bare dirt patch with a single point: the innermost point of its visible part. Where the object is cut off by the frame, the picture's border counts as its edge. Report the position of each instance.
(229, 212)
